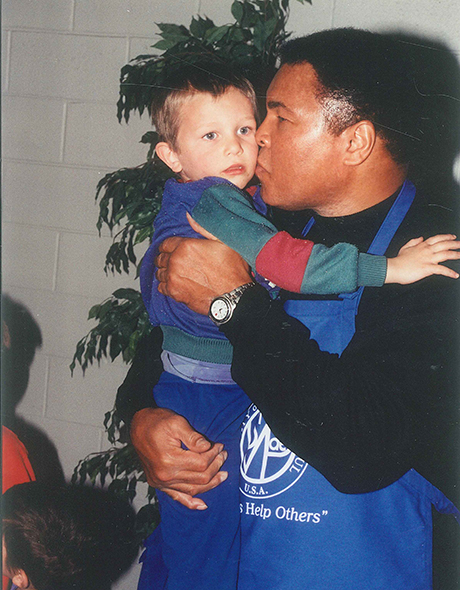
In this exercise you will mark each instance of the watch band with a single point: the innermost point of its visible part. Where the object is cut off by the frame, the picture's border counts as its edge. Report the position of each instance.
(222, 307)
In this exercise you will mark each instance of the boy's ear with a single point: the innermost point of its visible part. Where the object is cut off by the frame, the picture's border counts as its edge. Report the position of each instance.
(21, 579)
(165, 152)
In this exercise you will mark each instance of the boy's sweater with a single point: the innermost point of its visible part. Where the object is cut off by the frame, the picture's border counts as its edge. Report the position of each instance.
(237, 220)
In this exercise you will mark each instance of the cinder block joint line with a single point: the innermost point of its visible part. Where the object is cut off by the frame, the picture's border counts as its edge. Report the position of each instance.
(8, 61)
(56, 260)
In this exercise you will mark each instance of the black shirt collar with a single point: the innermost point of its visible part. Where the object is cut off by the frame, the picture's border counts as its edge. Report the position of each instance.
(358, 229)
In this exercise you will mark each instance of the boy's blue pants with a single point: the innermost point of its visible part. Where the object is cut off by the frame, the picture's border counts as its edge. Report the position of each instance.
(193, 549)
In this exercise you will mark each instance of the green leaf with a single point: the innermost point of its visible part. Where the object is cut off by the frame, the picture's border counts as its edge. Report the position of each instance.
(93, 312)
(270, 26)
(133, 341)
(130, 294)
(250, 16)
(216, 33)
(149, 137)
(147, 516)
(107, 417)
(105, 308)
(237, 10)
(169, 29)
(259, 37)
(199, 26)
(115, 346)
(165, 44)
(236, 36)
(143, 234)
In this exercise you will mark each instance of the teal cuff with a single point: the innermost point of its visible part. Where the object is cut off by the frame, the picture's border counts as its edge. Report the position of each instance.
(372, 270)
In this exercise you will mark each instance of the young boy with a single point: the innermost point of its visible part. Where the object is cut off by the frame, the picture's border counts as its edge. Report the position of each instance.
(207, 120)
(65, 538)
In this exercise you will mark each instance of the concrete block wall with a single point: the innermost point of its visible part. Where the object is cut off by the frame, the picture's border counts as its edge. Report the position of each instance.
(60, 68)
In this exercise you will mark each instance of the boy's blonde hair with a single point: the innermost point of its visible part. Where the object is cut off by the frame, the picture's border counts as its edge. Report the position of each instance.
(186, 81)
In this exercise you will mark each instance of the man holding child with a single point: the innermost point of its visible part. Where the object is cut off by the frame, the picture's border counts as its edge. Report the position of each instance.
(363, 389)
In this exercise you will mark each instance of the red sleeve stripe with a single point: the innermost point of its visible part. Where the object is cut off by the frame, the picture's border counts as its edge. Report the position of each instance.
(283, 261)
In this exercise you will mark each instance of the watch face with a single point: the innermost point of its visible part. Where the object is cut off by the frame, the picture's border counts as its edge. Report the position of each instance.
(220, 310)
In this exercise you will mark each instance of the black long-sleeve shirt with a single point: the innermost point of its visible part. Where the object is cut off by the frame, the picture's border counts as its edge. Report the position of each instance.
(389, 403)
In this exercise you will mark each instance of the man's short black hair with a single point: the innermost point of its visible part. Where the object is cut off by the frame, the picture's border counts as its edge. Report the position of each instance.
(363, 76)
(67, 537)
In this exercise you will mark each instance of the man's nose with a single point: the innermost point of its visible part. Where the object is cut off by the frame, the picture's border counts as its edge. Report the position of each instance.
(262, 136)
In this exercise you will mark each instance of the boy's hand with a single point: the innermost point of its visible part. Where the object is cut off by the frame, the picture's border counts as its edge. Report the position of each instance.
(421, 258)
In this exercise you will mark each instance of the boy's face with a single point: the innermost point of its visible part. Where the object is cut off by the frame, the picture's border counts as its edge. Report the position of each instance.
(217, 138)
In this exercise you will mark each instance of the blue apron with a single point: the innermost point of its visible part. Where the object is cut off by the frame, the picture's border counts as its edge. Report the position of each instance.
(298, 531)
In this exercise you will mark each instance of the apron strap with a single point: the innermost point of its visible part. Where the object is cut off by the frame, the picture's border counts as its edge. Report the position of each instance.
(389, 227)
(385, 233)
(393, 220)
(309, 225)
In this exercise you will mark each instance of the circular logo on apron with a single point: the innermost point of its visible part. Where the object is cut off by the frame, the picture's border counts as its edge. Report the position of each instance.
(268, 468)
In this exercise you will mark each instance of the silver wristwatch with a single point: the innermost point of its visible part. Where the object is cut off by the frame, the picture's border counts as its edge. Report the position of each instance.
(222, 307)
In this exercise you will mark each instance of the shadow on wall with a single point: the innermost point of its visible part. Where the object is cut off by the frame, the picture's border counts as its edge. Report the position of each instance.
(21, 336)
(437, 83)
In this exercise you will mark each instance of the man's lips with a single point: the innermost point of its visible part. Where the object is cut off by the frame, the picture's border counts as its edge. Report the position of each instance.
(235, 169)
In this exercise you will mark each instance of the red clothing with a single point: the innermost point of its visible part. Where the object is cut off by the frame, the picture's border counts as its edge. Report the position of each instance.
(16, 468)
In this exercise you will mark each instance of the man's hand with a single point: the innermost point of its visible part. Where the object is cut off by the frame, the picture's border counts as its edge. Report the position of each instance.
(199, 229)
(194, 271)
(157, 434)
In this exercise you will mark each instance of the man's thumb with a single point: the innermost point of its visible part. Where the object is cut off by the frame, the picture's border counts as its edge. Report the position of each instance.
(197, 442)
(200, 230)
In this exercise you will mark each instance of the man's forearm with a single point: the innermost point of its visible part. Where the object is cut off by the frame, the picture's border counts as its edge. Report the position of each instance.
(359, 418)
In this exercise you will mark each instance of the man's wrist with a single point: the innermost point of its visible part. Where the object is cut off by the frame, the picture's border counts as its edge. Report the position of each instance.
(142, 420)
(222, 307)
(252, 308)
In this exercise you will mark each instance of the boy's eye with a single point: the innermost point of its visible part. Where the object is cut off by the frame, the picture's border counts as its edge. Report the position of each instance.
(211, 135)
(244, 130)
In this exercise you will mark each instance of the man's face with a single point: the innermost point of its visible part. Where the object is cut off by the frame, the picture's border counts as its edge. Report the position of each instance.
(298, 163)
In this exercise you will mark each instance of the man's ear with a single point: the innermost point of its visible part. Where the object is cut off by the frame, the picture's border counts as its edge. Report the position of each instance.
(21, 579)
(170, 157)
(360, 141)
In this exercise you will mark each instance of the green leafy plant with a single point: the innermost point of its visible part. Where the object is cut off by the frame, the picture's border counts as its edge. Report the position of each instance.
(119, 466)
(130, 198)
